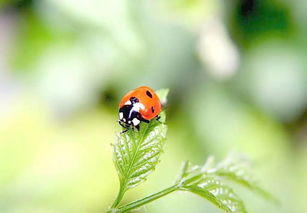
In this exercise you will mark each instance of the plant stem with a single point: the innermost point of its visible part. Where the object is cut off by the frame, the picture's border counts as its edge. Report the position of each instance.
(147, 199)
(119, 197)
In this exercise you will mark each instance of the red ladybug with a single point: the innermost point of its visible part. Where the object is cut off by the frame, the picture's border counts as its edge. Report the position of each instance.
(140, 104)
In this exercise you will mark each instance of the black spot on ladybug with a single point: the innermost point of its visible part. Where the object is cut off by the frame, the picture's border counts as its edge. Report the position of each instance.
(148, 94)
(134, 100)
(152, 109)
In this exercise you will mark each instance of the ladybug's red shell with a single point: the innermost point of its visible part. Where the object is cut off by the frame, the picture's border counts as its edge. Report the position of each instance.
(147, 97)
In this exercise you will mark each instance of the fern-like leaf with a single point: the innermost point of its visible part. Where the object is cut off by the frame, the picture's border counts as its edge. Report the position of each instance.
(137, 153)
(199, 181)
(237, 171)
(207, 182)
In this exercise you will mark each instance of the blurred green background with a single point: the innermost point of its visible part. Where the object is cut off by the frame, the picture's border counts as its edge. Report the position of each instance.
(237, 73)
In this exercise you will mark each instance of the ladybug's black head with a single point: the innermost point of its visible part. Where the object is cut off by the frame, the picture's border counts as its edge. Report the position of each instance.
(129, 114)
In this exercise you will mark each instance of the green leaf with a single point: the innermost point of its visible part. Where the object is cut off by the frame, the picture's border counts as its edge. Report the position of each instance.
(237, 171)
(137, 153)
(200, 181)
(219, 194)
(207, 182)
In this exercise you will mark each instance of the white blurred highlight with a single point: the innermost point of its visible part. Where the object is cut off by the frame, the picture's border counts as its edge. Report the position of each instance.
(277, 80)
(217, 51)
(8, 86)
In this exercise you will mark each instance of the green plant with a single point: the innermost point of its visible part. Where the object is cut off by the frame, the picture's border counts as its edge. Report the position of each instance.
(136, 154)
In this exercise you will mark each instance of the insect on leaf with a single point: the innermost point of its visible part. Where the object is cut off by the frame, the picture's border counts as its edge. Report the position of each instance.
(136, 153)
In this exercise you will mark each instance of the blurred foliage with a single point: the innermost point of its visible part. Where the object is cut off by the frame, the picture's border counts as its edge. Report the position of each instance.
(256, 18)
(237, 75)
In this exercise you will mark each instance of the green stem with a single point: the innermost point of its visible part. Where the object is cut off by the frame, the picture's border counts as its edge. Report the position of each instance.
(147, 199)
(119, 197)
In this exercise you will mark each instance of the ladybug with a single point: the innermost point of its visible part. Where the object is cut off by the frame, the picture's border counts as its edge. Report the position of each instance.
(140, 104)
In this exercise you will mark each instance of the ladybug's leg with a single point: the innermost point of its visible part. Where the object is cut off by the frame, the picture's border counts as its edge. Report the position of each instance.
(137, 127)
(120, 123)
(125, 126)
(146, 121)
(125, 130)
(142, 119)
(158, 117)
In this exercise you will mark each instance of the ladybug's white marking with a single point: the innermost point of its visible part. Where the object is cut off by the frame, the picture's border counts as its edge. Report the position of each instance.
(128, 103)
(129, 122)
(136, 108)
(135, 121)
(121, 115)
